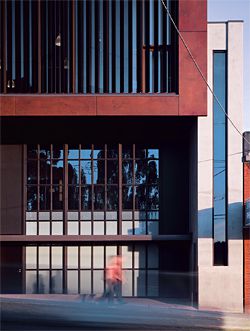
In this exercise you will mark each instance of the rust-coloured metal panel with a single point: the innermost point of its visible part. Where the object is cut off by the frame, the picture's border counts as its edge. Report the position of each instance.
(47, 105)
(192, 88)
(137, 105)
(247, 269)
(193, 15)
(7, 105)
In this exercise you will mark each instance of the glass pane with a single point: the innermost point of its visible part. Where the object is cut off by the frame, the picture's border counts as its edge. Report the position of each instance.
(140, 227)
(140, 197)
(98, 282)
(44, 151)
(72, 281)
(73, 200)
(73, 172)
(98, 152)
(99, 197)
(73, 215)
(127, 228)
(85, 172)
(32, 172)
(31, 228)
(110, 252)
(140, 172)
(57, 152)
(57, 172)
(127, 215)
(72, 257)
(43, 282)
(153, 256)
(153, 153)
(57, 197)
(153, 228)
(111, 215)
(153, 215)
(56, 281)
(98, 257)
(73, 228)
(85, 281)
(57, 228)
(31, 282)
(98, 228)
(73, 152)
(31, 258)
(140, 153)
(98, 215)
(127, 287)
(85, 216)
(140, 283)
(112, 172)
(140, 257)
(111, 227)
(153, 283)
(44, 197)
(86, 228)
(127, 152)
(127, 172)
(153, 197)
(44, 215)
(127, 197)
(44, 228)
(85, 257)
(57, 215)
(99, 171)
(56, 257)
(31, 198)
(43, 257)
(85, 153)
(112, 152)
(127, 252)
(44, 172)
(31, 216)
(112, 198)
(32, 151)
(153, 172)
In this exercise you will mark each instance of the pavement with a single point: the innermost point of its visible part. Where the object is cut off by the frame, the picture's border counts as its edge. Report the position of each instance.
(73, 312)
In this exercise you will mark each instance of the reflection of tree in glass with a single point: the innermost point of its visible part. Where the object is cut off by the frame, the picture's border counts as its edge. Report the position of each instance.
(41, 284)
(86, 198)
(99, 167)
(140, 172)
(73, 175)
(127, 172)
(57, 152)
(86, 172)
(152, 172)
(140, 198)
(153, 197)
(112, 198)
(127, 198)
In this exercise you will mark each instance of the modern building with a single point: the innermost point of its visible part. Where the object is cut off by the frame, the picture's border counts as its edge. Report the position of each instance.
(106, 135)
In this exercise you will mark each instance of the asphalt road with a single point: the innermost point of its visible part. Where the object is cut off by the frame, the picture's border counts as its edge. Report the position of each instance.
(37, 315)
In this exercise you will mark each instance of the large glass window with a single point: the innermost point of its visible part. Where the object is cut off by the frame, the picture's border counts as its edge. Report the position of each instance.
(88, 46)
(220, 159)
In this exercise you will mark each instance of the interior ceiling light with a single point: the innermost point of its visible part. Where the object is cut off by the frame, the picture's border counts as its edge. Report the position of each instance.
(58, 40)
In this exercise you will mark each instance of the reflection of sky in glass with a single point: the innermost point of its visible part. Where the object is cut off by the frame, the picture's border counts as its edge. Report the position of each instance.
(219, 146)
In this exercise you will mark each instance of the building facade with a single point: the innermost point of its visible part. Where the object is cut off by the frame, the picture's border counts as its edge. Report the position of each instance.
(102, 150)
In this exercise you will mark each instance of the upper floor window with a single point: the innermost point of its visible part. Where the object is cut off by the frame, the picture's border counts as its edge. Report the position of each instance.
(88, 46)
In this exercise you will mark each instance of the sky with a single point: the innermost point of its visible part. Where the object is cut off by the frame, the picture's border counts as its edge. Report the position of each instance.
(224, 10)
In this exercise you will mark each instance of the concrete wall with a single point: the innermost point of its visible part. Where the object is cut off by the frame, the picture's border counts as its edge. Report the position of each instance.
(221, 287)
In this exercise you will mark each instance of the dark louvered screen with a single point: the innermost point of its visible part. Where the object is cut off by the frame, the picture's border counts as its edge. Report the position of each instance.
(88, 47)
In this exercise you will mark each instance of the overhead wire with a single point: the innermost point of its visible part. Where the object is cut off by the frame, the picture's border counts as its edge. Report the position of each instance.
(200, 72)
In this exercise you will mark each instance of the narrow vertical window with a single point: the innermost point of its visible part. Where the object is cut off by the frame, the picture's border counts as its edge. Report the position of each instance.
(220, 160)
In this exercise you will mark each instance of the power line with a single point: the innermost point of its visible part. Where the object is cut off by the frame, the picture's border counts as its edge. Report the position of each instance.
(200, 72)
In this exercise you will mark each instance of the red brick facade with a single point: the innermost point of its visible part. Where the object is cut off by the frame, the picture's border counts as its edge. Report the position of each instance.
(247, 241)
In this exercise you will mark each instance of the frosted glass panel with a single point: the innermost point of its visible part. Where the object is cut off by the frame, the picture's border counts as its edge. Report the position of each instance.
(127, 215)
(111, 215)
(56, 281)
(31, 228)
(44, 215)
(98, 228)
(153, 228)
(127, 256)
(43, 257)
(140, 227)
(127, 228)
(127, 286)
(31, 259)
(72, 281)
(73, 215)
(72, 255)
(153, 215)
(111, 227)
(85, 282)
(139, 283)
(57, 215)
(43, 282)
(57, 228)
(56, 257)
(110, 251)
(139, 257)
(85, 257)
(98, 215)
(153, 256)
(86, 228)
(139, 215)
(98, 257)
(30, 281)
(86, 215)
(153, 283)
(98, 282)
(44, 228)
(73, 228)
(31, 216)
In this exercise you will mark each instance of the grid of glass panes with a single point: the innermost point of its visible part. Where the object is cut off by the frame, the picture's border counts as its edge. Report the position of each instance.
(44, 269)
(140, 190)
(92, 190)
(45, 190)
(85, 268)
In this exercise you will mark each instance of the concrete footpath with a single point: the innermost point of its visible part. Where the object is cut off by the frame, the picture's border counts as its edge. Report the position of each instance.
(73, 312)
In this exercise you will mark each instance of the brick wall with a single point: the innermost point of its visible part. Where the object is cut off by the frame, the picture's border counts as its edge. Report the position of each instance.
(247, 241)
